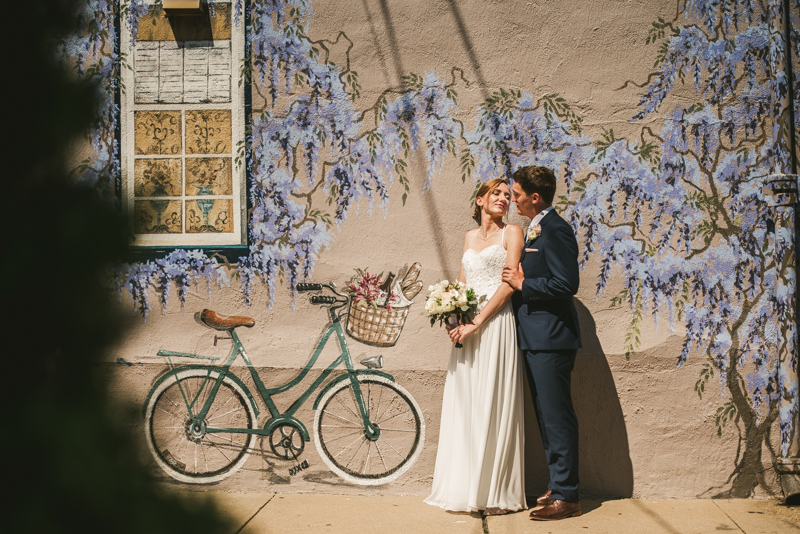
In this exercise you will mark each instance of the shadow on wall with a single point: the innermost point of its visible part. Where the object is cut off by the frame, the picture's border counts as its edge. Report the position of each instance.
(605, 464)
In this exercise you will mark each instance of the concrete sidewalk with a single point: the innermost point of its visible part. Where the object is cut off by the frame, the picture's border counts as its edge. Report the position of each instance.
(348, 514)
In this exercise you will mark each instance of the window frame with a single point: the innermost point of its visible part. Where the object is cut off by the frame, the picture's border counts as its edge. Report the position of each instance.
(240, 106)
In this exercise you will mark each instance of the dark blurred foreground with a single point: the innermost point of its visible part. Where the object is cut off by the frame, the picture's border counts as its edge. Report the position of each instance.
(70, 467)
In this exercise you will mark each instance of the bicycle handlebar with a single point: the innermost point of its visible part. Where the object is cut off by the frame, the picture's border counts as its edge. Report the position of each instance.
(323, 299)
(333, 303)
(308, 287)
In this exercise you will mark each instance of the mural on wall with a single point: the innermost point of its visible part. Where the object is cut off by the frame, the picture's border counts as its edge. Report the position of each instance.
(201, 419)
(681, 213)
(677, 212)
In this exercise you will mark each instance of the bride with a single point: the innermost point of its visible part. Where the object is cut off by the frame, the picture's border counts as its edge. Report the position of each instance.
(479, 463)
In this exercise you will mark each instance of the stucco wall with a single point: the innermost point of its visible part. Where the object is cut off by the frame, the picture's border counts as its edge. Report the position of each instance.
(644, 430)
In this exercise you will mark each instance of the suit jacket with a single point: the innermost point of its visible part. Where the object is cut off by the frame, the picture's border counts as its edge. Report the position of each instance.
(545, 310)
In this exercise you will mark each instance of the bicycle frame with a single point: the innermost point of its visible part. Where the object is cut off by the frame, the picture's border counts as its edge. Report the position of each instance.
(277, 418)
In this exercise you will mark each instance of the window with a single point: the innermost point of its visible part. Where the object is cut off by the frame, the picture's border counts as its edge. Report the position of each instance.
(182, 119)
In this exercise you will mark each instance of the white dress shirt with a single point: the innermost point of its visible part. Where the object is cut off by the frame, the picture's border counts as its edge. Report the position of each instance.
(540, 216)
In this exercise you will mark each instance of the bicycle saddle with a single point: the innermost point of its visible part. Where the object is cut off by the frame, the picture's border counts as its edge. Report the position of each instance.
(217, 321)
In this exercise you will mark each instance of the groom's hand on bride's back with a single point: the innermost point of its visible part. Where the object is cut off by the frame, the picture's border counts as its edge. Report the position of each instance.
(513, 277)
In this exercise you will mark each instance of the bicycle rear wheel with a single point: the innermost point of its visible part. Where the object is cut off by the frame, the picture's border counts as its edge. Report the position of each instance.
(189, 453)
(340, 436)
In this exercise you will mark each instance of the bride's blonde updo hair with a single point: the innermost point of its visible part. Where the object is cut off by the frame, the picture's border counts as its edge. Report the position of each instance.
(487, 187)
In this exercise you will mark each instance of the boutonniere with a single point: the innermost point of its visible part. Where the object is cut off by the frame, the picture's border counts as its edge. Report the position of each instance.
(534, 231)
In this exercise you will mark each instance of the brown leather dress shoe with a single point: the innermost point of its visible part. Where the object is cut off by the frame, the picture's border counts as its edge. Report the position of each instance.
(544, 499)
(557, 510)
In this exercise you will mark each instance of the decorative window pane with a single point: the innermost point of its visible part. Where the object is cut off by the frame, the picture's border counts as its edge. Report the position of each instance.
(182, 119)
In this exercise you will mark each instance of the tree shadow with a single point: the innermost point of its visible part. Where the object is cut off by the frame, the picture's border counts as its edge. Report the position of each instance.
(606, 470)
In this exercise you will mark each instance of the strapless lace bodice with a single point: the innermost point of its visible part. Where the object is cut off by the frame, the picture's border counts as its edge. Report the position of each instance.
(483, 270)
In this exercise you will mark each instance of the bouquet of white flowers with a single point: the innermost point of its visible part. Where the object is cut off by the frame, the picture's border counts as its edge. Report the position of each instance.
(451, 302)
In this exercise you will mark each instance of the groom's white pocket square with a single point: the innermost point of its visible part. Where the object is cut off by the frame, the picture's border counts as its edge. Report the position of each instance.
(531, 250)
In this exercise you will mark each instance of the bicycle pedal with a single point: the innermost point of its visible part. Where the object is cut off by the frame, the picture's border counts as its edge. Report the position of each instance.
(299, 467)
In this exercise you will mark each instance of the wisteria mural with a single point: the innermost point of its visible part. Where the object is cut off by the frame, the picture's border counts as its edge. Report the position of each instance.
(315, 141)
(677, 212)
(680, 213)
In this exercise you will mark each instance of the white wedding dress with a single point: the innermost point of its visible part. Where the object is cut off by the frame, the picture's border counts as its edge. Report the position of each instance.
(480, 460)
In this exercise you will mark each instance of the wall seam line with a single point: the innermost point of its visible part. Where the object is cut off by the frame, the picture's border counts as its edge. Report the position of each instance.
(255, 514)
(728, 516)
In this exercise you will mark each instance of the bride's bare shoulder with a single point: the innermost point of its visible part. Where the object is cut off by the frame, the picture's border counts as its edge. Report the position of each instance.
(469, 236)
(513, 229)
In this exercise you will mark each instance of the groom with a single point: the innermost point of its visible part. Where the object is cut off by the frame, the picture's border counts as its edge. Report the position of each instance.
(548, 333)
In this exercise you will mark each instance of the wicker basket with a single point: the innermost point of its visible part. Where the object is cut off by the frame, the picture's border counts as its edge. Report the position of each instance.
(378, 327)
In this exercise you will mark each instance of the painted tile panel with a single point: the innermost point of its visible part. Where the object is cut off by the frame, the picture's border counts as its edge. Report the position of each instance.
(208, 176)
(156, 26)
(157, 217)
(208, 131)
(157, 177)
(157, 132)
(209, 216)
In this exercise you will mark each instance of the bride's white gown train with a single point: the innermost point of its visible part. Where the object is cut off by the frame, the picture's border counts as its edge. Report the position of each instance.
(480, 460)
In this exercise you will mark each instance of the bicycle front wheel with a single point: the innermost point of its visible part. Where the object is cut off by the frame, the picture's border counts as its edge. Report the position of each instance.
(341, 439)
(188, 452)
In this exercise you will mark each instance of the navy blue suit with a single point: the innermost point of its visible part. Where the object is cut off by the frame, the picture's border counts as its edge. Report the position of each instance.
(549, 336)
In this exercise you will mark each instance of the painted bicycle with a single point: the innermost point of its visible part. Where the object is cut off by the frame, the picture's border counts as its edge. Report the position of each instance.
(201, 419)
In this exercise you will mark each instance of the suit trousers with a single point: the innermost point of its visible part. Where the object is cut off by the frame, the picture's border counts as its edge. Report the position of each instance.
(549, 377)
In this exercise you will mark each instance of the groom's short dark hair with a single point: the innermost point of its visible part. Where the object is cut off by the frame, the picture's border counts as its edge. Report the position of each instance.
(534, 179)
